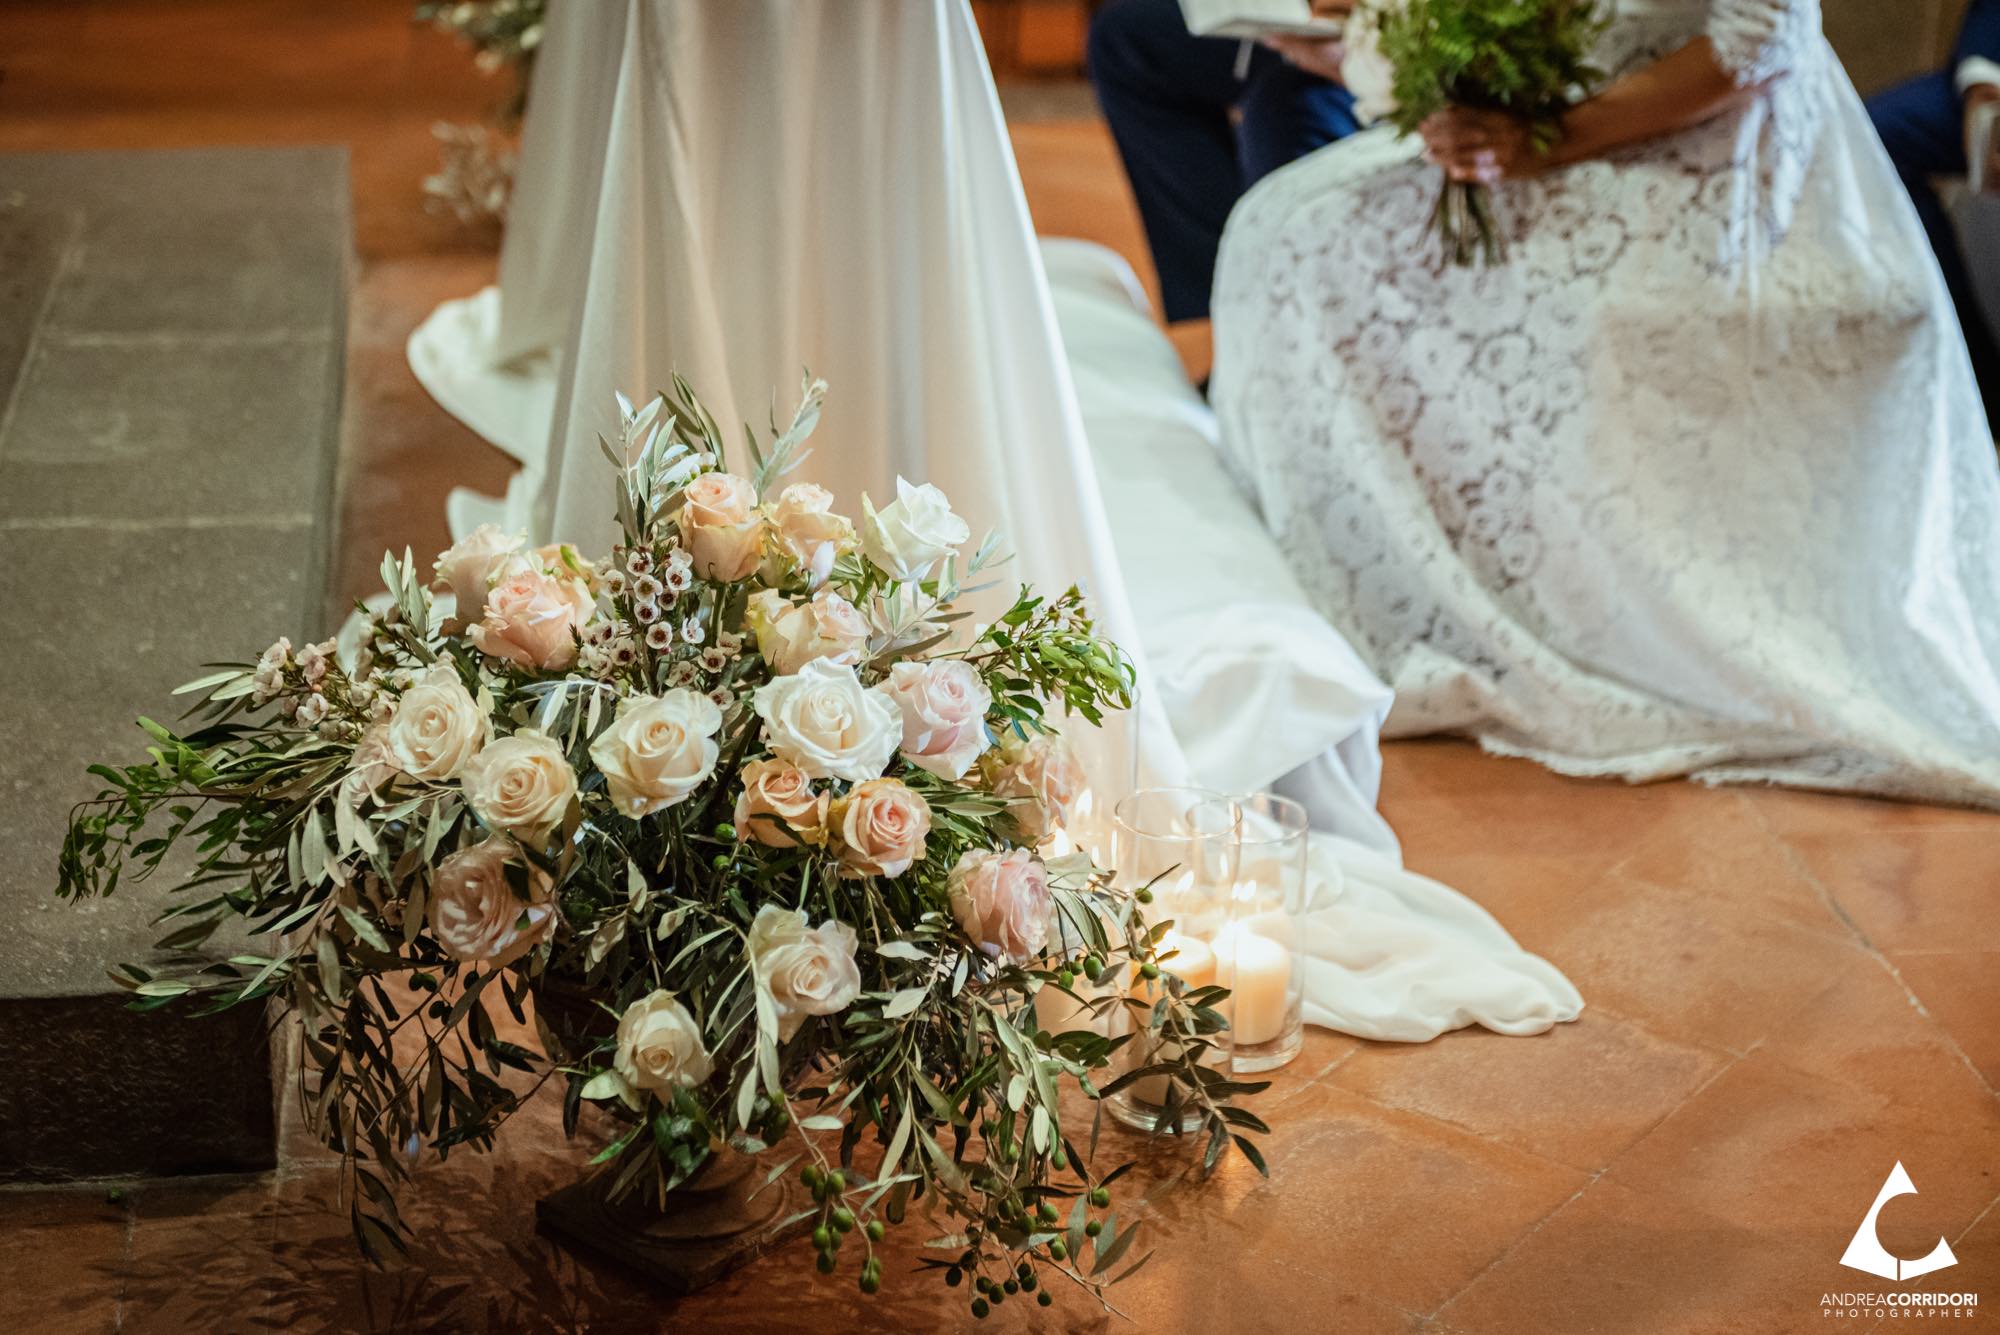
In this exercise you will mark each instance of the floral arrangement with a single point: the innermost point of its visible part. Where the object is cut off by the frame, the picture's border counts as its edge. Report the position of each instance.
(475, 177)
(769, 838)
(1409, 59)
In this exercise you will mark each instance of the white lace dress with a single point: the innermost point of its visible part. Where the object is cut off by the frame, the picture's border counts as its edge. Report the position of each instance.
(1697, 483)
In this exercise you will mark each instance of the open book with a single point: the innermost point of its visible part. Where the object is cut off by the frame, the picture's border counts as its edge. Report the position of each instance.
(1257, 18)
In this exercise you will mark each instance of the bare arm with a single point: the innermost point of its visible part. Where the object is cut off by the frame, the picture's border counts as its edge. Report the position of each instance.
(1671, 94)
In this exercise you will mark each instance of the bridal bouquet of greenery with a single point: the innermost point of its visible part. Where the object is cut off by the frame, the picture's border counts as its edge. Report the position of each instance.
(772, 847)
(1409, 59)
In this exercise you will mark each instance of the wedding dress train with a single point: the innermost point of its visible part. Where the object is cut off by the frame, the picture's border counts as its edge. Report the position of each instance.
(734, 191)
(1696, 483)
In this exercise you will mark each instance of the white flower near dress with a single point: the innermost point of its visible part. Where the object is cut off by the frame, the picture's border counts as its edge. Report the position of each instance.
(1364, 70)
(913, 533)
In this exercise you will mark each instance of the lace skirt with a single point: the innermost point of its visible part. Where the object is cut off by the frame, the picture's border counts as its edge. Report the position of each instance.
(1696, 482)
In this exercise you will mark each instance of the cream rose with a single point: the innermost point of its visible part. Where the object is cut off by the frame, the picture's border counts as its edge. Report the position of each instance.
(1364, 70)
(658, 750)
(804, 971)
(823, 720)
(1043, 779)
(1002, 901)
(791, 635)
(778, 806)
(660, 1046)
(534, 618)
(905, 539)
(520, 784)
(372, 766)
(944, 706)
(437, 727)
(721, 527)
(476, 915)
(468, 566)
(880, 827)
(809, 532)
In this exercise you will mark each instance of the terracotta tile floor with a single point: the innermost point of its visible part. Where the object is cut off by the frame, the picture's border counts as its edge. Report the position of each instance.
(1788, 992)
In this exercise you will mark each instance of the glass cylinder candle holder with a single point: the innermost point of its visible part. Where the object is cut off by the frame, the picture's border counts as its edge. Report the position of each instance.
(1260, 952)
(1182, 843)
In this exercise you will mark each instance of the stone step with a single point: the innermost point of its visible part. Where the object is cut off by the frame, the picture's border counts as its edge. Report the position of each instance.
(172, 327)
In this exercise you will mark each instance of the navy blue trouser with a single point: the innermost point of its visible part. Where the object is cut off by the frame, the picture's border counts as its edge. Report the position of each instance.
(1195, 136)
(1922, 124)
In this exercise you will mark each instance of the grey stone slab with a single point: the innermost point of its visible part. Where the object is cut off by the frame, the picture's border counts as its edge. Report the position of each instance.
(102, 625)
(311, 179)
(202, 241)
(171, 427)
(168, 437)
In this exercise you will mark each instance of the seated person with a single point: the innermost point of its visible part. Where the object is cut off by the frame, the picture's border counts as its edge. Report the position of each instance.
(1924, 123)
(1198, 121)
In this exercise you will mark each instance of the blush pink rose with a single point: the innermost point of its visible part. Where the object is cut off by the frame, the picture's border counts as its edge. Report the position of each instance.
(1043, 780)
(881, 826)
(944, 706)
(476, 915)
(721, 527)
(791, 635)
(534, 618)
(1002, 901)
(467, 568)
(809, 531)
(775, 788)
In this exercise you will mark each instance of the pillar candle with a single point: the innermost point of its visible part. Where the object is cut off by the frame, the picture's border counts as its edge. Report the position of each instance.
(1258, 973)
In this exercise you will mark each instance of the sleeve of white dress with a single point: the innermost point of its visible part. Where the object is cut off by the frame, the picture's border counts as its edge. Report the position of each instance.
(1760, 40)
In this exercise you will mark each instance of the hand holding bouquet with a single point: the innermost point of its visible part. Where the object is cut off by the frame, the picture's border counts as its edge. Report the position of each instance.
(1521, 62)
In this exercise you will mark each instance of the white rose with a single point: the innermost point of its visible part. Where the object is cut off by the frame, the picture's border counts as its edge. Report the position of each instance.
(907, 538)
(790, 635)
(520, 784)
(477, 916)
(658, 750)
(467, 568)
(824, 721)
(1364, 70)
(437, 726)
(660, 1046)
(944, 706)
(804, 971)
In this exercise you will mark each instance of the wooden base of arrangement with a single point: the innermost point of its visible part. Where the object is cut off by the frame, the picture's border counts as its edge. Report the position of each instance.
(706, 1229)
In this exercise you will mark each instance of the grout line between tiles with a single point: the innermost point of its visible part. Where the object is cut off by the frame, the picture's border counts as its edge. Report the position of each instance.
(1966, 1232)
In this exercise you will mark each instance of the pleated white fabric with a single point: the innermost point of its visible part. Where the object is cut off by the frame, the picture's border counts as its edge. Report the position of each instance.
(738, 191)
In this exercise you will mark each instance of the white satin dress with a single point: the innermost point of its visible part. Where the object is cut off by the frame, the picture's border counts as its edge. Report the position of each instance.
(737, 190)
(1697, 483)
